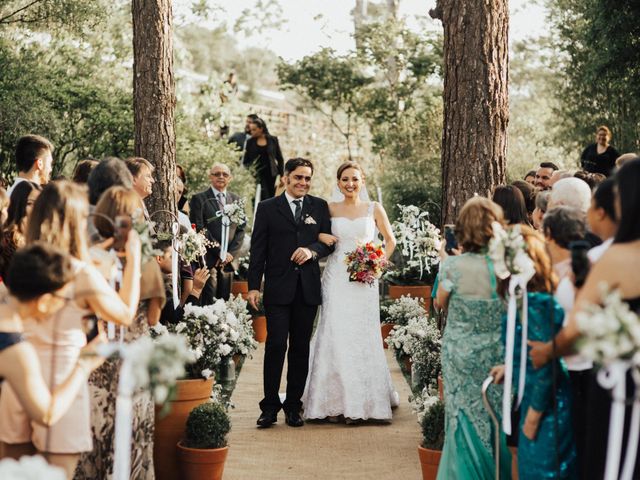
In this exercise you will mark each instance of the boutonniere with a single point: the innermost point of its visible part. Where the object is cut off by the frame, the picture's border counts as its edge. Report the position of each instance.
(309, 220)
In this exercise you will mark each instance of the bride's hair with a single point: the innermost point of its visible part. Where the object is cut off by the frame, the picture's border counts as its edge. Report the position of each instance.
(346, 165)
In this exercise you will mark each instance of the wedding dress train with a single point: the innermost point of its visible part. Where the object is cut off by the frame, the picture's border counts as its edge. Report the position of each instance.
(348, 371)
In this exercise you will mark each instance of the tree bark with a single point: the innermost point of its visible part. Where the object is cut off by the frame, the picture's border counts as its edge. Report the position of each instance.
(476, 100)
(154, 100)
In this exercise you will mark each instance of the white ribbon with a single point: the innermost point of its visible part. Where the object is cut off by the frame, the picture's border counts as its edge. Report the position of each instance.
(123, 423)
(516, 283)
(224, 240)
(175, 246)
(257, 201)
(613, 377)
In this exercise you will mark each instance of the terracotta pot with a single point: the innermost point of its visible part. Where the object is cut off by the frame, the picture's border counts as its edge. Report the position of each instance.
(201, 463)
(239, 286)
(170, 429)
(385, 329)
(416, 291)
(441, 389)
(260, 328)
(429, 461)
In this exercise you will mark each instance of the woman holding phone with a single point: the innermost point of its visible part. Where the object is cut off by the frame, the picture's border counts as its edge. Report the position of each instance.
(114, 216)
(59, 218)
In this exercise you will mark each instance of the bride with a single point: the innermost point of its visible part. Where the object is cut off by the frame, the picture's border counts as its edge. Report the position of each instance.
(348, 372)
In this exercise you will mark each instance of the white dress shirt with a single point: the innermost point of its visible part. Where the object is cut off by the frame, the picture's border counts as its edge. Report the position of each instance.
(292, 205)
(15, 182)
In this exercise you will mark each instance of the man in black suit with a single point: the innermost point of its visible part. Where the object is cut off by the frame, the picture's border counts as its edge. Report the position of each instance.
(285, 248)
(203, 213)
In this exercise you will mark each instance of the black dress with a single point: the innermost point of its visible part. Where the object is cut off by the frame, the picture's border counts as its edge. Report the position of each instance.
(267, 161)
(594, 162)
(8, 339)
(598, 413)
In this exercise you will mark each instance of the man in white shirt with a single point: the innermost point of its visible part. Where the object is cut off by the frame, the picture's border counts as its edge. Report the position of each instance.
(33, 160)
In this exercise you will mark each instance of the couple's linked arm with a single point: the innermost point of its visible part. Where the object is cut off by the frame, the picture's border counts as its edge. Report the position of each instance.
(321, 249)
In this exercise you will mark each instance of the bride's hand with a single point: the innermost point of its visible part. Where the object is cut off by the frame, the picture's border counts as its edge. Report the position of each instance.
(327, 239)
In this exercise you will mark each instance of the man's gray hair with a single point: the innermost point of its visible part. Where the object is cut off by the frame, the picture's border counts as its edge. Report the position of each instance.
(220, 165)
(571, 192)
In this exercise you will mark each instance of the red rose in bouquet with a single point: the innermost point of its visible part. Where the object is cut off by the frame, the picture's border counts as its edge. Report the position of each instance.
(366, 263)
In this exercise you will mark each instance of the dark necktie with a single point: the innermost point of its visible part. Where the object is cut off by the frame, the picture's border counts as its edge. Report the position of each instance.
(221, 200)
(298, 213)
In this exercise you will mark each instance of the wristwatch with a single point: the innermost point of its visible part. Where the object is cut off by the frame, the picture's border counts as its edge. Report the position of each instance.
(314, 255)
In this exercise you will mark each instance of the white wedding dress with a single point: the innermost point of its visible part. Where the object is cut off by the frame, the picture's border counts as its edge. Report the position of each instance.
(348, 371)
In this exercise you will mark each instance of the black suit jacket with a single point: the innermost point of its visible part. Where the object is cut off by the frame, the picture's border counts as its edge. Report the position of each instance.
(203, 206)
(276, 160)
(275, 237)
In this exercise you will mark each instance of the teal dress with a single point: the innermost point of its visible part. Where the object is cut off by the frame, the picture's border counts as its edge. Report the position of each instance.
(471, 346)
(537, 459)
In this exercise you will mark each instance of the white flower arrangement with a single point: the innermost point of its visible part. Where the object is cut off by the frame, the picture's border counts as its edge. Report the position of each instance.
(235, 212)
(156, 362)
(422, 402)
(508, 252)
(144, 228)
(214, 332)
(193, 245)
(610, 331)
(403, 309)
(30, 468)
(406, 339)
(419, 242)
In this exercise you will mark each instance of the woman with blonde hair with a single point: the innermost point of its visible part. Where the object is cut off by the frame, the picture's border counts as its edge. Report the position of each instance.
(103, 383)
(470, 346)
(59, 218)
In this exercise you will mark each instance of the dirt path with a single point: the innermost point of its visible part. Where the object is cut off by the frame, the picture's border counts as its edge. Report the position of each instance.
(319, 450)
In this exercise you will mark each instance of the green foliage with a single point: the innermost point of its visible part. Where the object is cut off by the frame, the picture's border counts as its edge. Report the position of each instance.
(207, 426)
(390, 83)
(600, 65)
(197, 152)
(70, 15)
(432, 425)
(61, 93)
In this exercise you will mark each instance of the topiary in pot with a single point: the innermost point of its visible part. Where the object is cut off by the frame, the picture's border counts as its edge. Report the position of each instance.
(207, 427)
(204, 449)
(432, 425)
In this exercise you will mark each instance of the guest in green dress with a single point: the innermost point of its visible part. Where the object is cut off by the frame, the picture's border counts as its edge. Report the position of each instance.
(546, 449)
(470, 347)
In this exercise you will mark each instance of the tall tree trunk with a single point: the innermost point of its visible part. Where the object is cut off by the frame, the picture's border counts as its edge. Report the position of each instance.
(154, 99)
(476, 101)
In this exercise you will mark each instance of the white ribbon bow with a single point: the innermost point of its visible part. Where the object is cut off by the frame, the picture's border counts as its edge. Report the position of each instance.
(516, 283)
(175, 247)
(613, 377)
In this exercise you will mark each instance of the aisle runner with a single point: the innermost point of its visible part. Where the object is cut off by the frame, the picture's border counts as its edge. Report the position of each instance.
(319, 450)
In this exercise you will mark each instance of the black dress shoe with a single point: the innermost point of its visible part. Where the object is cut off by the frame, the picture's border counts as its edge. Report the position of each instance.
(293, 419)
(267, 419)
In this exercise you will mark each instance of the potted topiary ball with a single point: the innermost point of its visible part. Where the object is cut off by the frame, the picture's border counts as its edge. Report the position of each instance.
(204, 449)
(432, 424)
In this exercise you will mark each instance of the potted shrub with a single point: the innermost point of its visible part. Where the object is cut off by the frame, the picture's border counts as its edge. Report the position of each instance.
(204, 449)
(418, 254)
(240, 285)
(398, 312)
(431, 420)
(214, 333)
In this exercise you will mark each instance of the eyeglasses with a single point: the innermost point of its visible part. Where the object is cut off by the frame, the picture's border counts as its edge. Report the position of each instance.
(220, 174)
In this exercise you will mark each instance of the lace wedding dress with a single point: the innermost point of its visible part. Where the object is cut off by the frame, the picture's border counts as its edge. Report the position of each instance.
(348, 371)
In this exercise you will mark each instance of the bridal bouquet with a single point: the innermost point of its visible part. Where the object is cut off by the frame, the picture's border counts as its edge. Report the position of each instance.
(193, 245)
(366, 263)
(610, 332)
